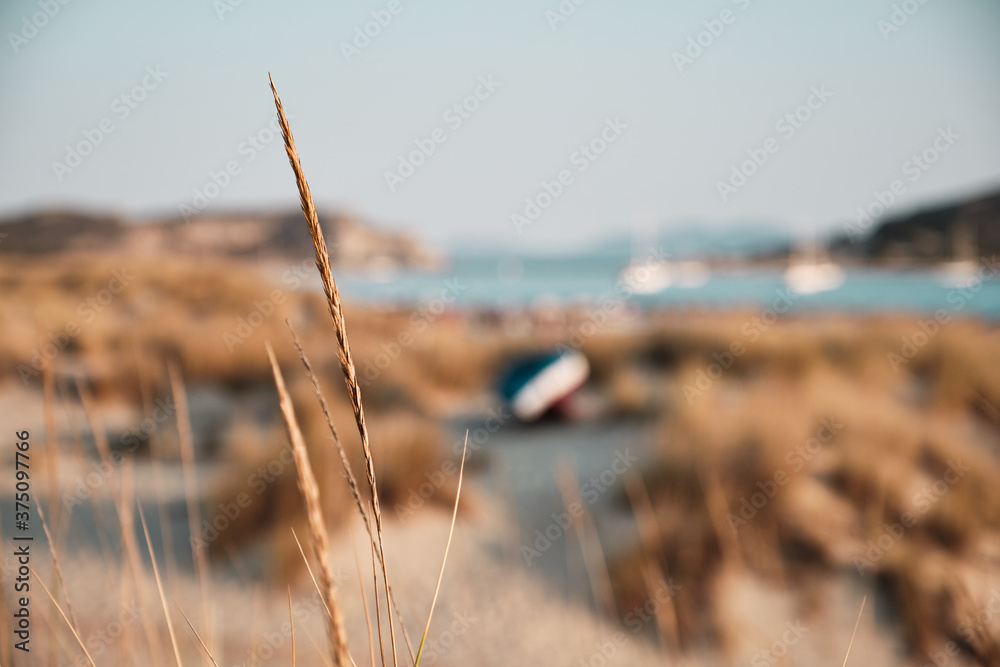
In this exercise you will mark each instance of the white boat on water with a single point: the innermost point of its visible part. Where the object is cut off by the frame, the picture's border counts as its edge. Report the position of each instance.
(809, 273)
(813, 277)
(651, 273)
(647, 277)
(963, 269)
(958, 274)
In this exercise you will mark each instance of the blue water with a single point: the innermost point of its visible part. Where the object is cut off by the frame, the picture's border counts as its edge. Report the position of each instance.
(499, 282)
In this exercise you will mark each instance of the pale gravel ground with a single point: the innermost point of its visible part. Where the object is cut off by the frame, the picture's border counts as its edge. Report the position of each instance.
(512, 615)
(491, 612)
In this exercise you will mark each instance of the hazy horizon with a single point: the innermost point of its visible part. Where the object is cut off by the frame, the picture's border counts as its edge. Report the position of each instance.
(674, 128)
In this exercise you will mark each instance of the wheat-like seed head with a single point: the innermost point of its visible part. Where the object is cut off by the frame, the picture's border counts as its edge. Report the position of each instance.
(314, 513)
(339, 327)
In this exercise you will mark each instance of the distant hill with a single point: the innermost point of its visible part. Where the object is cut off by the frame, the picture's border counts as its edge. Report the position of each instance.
(961, 230)
(245, 235)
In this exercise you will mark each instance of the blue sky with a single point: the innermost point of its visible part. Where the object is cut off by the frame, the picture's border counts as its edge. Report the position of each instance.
(890, 93)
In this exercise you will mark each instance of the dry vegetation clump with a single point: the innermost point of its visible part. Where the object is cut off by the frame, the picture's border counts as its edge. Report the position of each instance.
(810, 461)
(408, 447)
(115, 335)
(953, 369)
(171, 316)
(213, 318)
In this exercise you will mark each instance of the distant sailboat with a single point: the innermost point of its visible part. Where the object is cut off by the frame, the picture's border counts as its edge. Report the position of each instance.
(645, 277)
(646, 273)
(963, 268)
(811, 273)
(650, 273)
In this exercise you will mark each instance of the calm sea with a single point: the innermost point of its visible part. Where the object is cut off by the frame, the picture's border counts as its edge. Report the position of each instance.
(519, 281)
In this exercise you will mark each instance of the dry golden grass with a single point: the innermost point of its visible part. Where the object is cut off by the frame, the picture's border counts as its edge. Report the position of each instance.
(839, 487)
(307, 481)
(317, 522)
(100, 345)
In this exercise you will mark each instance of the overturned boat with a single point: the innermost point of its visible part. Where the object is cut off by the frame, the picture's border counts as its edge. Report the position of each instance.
(544, 383)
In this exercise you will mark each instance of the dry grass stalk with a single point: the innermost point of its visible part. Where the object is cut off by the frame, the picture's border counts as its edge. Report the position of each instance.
(378, 614)
(314, 514)
(351, 480)
(201, 642)
(291, 623)
(96, 428)
(340, 330)
(58, 569)
(312, 576)
(447, 547)
(131, 549)
(718, 508)
(642, 508)
(51, 444)
(856, 623)
(191, 491)
(364, 601)
(315, 645)
(652, 541)
(159, 588)
(156, 451)
(593, 554)
(665, 615)
(72, 629)
(81, 457)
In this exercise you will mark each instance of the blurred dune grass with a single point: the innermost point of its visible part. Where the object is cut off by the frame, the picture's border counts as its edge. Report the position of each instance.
(902, 425)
